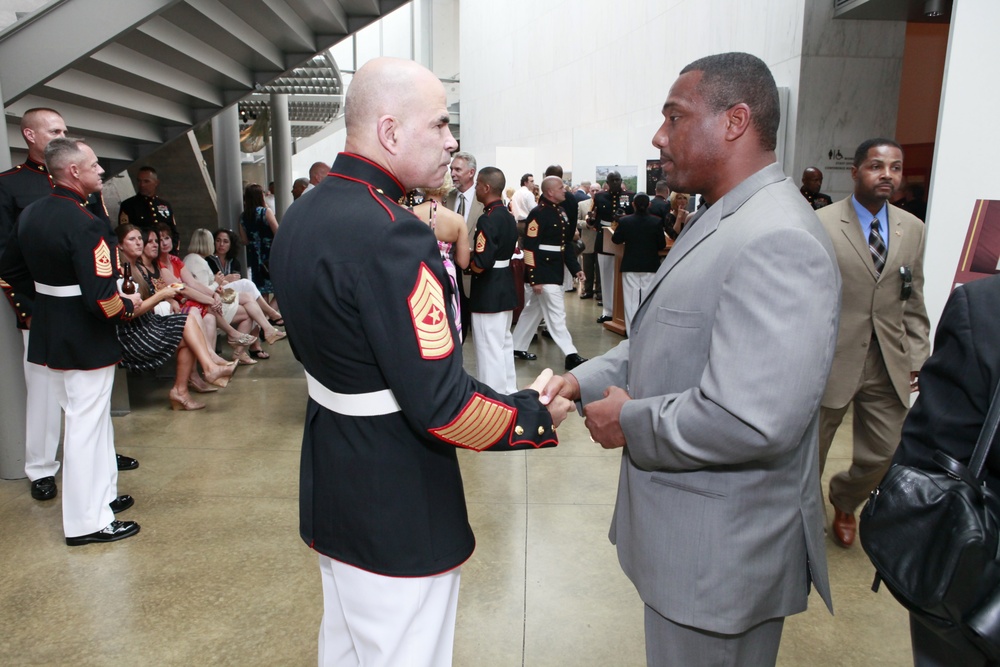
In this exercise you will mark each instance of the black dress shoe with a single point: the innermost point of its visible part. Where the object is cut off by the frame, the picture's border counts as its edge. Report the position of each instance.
(588, 295)
(44, 488)
(604, 318)
(121, 503)
(599, 302)
(116, 530)
(527, 356)
(127, 462)
(545, 332)
(573, 360)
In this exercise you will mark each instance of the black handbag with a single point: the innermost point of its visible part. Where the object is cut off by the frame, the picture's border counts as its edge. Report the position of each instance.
(933, 538)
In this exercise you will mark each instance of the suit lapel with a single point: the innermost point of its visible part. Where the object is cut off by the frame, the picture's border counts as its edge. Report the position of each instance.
(704, 223)
(894, 230)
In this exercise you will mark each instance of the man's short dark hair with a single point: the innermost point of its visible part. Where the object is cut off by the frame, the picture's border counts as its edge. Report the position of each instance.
(524, 179)
(868, 144)
(730, 78)
(494, 178)
(661, 186)
(149, 169)
(554, 170)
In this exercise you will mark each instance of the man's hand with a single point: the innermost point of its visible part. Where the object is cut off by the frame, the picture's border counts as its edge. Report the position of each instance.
(537, 289)
(558, 406)
(559, 385)
(914, 381)
(134, 298)
(580, 275)
(602, 418)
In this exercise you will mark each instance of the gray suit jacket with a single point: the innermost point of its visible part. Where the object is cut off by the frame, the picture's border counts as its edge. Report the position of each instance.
(872, 305)
(719, 519)
(470, 224)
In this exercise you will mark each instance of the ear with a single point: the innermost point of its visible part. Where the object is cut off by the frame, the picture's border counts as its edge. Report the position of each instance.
(854, 173)
(737, 121)
(387, 129)
(29, 135)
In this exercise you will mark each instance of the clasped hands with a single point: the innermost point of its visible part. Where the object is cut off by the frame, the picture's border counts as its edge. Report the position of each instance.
(602, 418)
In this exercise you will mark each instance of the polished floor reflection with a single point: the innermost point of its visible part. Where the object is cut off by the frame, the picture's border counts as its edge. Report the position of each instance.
(219, 576)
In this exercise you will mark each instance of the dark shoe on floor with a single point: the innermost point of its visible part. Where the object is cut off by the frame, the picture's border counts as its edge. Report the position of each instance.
(122, 503)
(604, 318)
(588, 295)
(573, 360)
(599, 301)
(844, 528)
(545, 332)
(527, 356)
(44, 488)
(116, 530)
(127, 462)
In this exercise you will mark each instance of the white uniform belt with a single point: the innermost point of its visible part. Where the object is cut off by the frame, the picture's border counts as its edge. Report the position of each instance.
(550, 248)
(58, 290)
(372, 404)
(502, 264)
(605, 223)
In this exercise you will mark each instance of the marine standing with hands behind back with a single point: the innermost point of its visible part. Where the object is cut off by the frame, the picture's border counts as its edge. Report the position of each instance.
(64, 256)
(719, 520)
(361, 283)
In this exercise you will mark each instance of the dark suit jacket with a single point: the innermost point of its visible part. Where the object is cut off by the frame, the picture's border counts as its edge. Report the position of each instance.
(957, 382)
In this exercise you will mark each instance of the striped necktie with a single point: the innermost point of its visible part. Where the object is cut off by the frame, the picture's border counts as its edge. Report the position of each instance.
(877, 247)
(461, 204)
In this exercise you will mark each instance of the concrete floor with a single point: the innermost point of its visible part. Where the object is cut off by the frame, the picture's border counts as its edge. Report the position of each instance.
(219, 575)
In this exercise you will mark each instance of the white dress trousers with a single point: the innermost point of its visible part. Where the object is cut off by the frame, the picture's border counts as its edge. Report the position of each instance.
(634, 284)
(607, 264)
(372, 620)
(43, 420)
(90, 468)
(550, 304)
(494, 345)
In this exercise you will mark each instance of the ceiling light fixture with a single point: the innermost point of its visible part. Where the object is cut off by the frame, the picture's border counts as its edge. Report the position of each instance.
(934, 8)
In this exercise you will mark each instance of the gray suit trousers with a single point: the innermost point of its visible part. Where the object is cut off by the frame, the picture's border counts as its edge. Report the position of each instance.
(669, 644)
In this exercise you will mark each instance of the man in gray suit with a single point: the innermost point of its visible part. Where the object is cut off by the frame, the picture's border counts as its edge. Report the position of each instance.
(462, 200)
(715, 397)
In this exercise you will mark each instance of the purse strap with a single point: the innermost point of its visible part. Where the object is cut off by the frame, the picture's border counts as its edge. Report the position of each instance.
(987, 436)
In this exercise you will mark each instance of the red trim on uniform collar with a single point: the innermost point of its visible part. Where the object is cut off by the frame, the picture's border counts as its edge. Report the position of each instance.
(377, 166)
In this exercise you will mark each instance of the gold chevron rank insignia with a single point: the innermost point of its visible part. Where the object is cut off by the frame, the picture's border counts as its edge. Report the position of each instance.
(111, 306)
(102, 260)
(480, 425)
(430, 320)
(532, 231)
(480, 242)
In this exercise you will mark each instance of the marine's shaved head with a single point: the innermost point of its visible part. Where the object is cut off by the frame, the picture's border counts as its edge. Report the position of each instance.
(396, 115)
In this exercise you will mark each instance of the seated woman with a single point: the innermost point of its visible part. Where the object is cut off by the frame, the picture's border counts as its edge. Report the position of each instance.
(226, 266)
(214, 311)
(675, 220)
(148, 340)
(200, 247)
(452, 237)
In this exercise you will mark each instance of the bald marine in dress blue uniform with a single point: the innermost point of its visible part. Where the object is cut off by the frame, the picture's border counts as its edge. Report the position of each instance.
(363, 293)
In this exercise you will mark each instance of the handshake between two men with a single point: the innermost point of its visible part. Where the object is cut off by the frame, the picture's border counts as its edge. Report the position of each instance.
(559, 393)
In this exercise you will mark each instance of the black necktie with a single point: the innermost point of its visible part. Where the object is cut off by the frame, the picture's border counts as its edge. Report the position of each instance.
(461, 204)
(877, 247)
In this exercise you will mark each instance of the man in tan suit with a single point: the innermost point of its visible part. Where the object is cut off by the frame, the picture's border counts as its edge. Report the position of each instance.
(883, 337)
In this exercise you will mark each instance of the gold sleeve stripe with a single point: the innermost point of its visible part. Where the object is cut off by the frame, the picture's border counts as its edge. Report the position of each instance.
(430, 318)
(480, 424)
(529, 257)
(4, 284)
(111, 306)
(102, 260)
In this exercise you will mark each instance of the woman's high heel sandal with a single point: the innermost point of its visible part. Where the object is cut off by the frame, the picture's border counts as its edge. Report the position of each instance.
(244, 358)
(221, 376)
(243, 339)
(199, 385)
(177, 402)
